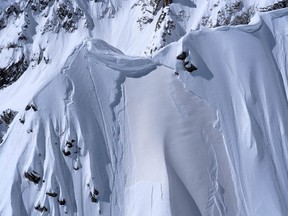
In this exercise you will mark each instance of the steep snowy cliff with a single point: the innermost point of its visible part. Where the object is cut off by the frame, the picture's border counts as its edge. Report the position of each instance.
(88, 128)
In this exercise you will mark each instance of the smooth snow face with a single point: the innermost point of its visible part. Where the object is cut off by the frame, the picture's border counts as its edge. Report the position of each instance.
(176, 145)
(242, 73)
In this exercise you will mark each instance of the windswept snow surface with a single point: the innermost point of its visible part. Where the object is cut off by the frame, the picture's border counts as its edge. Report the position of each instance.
(110, 134)
(242, 73)
(138, 139)
(75, 106)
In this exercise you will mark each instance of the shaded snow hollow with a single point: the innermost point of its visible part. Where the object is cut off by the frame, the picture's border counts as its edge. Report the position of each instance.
(119, 135)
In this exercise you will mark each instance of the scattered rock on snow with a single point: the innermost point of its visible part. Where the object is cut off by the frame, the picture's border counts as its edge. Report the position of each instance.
(61, 202)
(52, 194)
(41, 208)
(184, 57)
(94, 195)
(66, 153)
(32, 176)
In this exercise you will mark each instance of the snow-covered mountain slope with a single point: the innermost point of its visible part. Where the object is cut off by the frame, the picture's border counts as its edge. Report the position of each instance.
(71, 138)
(25, 25)
(30, 31)
(104, 125)
(99, 132)
(247, 85)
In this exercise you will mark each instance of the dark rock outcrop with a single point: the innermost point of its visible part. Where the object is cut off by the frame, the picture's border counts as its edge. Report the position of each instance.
(41, 208)
(12, 73)
(32, 176)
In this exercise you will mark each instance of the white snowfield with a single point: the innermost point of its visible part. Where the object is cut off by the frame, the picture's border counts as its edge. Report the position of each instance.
(110, 134)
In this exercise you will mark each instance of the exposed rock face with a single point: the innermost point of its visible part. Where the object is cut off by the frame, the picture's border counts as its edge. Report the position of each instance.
(277, 5)
(67, 15)
(12, 73)
(32, 176)
(57, 15)
(230, 14)
(6, 119)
